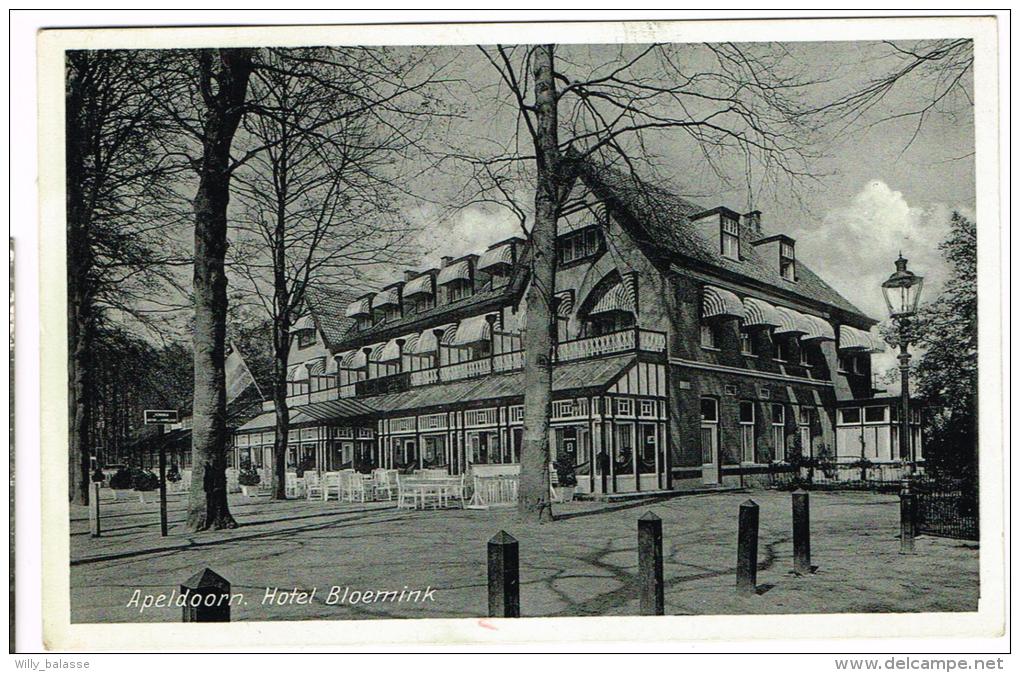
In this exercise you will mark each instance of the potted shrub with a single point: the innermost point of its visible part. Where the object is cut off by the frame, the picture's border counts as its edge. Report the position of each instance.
(144, 482)
(121, 483)
(249, 481)
(173, 476)
(566, 478)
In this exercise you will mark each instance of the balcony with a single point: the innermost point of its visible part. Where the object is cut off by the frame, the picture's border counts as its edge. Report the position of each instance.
(321, 388)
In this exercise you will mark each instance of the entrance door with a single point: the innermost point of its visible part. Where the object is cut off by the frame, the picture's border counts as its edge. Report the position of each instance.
(709, 440)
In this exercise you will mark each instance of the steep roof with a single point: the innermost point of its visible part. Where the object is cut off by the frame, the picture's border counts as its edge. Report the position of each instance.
(660, 222)
(328, 308)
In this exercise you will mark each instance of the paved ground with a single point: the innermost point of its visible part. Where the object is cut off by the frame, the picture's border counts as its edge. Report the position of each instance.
(584, 564)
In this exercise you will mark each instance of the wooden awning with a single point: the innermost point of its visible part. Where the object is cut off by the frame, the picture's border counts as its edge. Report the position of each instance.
(359, 308)
(497, 256)
(853, 339)
(758, 313)
(303, 323)
(792, 322)
(620, 297)
(719, 303)
(564, 303)
(471, 330)
(352, 359)
(821, 330)
(420, 286)
(428, 342)
(457, 271)
(297, 373)
(316, 367)
(388, 297)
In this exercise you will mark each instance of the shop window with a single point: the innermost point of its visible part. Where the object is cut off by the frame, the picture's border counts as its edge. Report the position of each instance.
(624, 448)
(746, 419)
(648, 447)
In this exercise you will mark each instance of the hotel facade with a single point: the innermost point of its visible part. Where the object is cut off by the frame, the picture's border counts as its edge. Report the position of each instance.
(693, 348)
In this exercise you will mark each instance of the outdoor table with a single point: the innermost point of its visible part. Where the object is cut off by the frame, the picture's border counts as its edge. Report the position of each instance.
(421, 487)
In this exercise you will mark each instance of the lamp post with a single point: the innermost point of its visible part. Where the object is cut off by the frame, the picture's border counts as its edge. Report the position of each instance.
(902, 292)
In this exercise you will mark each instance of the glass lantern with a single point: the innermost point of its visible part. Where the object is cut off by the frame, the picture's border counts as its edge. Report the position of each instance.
(902, 291)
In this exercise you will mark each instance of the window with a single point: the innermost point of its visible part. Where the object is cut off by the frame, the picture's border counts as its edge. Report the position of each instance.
(709, 410)
(779, 432)
(420, 304)
(579, 245)
(708, 336)
(647, 409)
(787, 262)
(804, 359)
(782, 348)
(305, 338)
(850, 416)
(747, 432)
(457, 290)
(607, 323)
(364, 322)
(730, 238)
(745, 343)
(624, 407)
(804, 416)
(874, 414)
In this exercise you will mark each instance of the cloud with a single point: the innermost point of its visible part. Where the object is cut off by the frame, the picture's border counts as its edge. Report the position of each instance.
(471, 230)
(855, 248)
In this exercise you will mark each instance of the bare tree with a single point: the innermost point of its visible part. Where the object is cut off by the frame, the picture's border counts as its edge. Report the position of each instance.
(319, 189)
(117, 205)
(733, 104)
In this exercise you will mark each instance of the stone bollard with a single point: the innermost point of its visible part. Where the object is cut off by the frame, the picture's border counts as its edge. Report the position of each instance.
(504, 576)
(650, 564)
(94, 526)
(207, 598)
(908, 523)
(747, 548)
(801, 533)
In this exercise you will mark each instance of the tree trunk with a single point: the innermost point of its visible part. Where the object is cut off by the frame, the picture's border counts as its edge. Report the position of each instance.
(79, 307)
(282, 419)
(224, 77)
(533, 500)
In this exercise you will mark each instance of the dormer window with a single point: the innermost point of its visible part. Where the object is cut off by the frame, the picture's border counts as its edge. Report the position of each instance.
(787, 261)
(457, 290)
(578, 245)
(730, 231)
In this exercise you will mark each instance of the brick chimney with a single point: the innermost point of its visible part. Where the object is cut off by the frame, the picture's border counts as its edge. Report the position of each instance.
(446, 261)
(409, 274)
(753, 220)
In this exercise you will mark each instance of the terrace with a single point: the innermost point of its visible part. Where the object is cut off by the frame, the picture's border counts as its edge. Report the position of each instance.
(323, 387)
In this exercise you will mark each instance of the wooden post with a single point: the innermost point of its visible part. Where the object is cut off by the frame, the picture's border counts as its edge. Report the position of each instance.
(504, 576)
(162, 481)
(207, 598)
(801, 533)
(907, 523)
(747, 548)
(94, 526)
(650, 564)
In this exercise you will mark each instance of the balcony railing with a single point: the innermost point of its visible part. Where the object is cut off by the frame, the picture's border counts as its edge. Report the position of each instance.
(325, 387)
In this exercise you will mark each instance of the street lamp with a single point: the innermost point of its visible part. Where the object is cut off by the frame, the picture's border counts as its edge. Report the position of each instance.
(902, 293)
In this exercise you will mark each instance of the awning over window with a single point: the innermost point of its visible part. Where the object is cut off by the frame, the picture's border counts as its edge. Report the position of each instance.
(500, 255)
(316, 367)
(297, 373)
(718, 303)
(564, 303)
(390, 297)
(303, 323)
(821, 330)
(361, 307)
(457, 271)
(620, 297)
(471, 330)
(853, 339)
(758, 313)
(352, 359)
(420, 286)
(377, 350)
(792, 322)
(428, 342)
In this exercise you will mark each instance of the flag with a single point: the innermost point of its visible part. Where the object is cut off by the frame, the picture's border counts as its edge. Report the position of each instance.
(238, 375)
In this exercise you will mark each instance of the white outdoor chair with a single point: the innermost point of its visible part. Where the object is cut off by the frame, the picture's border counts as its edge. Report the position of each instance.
(454, 491)
(313, 485)
(406, 493)
(358, 488)
(383, 483)
(291, 485)
(331, 485)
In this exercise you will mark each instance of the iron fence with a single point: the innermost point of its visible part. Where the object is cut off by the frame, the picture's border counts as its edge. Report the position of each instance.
(947, 507)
